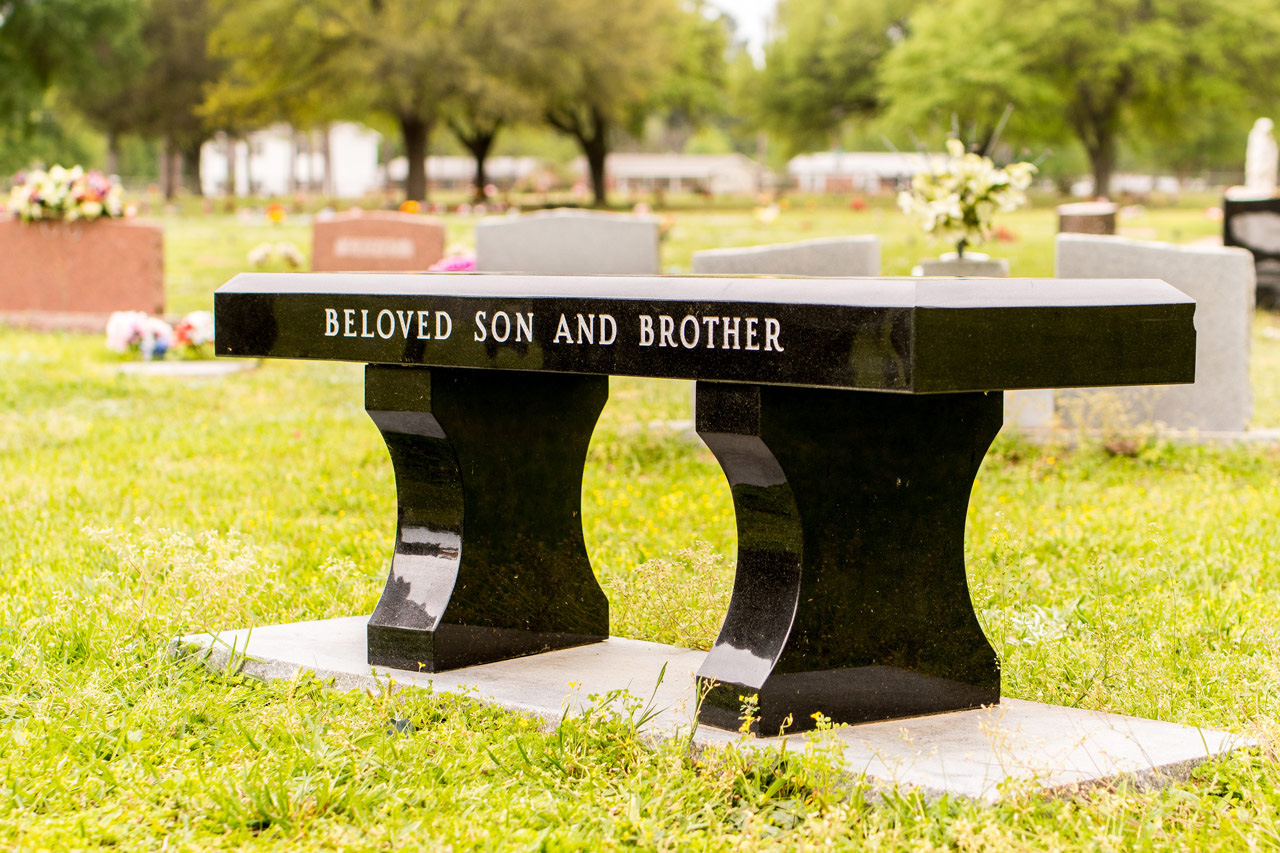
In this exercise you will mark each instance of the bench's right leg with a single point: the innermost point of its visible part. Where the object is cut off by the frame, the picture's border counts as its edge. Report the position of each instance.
(850, 597)
(489, 560)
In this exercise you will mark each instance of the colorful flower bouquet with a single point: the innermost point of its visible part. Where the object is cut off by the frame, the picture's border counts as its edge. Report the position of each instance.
(65, 194)
(955, 198)
(152, 338)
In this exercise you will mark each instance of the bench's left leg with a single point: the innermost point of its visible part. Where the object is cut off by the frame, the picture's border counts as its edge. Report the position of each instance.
(489, 559)
(850, 597)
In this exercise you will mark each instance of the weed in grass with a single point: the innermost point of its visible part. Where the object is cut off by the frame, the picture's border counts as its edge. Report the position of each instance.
(690, 590)
(197, 582)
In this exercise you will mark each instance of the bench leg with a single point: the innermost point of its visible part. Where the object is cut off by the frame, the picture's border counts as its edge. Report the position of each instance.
(850, 596)
(489, 560)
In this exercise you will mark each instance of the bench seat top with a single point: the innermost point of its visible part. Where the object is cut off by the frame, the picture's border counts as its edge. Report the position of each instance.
(907, 335)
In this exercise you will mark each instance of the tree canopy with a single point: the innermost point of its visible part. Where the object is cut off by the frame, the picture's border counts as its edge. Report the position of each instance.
(603, 69)
(1168, 83)
(45, 43)
(821, 68)
(1092, 70)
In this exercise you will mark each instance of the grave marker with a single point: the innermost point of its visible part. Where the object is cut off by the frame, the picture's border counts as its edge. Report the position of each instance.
(827, 256)
(1087, 217)
(1254, 224)
(376, 241)
(1221, 281)
(73, 275)
(568, 242)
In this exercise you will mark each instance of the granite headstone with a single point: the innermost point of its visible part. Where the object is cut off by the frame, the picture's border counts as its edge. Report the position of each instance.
(827, 256)
(376, 241)
(73, 275)
(1254, 224)
(1221, 281)
(568, 242)
(1087, 217)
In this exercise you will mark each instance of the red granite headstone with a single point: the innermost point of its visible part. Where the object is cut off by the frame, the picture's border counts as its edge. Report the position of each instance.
(72, 275)
(376, 241)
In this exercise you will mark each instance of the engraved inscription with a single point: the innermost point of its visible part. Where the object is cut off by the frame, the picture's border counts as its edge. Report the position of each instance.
(400, 248)
(690, 332)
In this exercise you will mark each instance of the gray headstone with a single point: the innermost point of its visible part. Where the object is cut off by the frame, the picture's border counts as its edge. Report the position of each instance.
(568, 242)
(1221, 281)
(830, 256)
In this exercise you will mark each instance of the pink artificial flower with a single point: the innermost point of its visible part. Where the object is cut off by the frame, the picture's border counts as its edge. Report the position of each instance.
(454, 263)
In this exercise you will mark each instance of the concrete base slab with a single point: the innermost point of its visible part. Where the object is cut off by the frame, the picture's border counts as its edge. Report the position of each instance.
(1071, 435)
(980, 754)
(187, 369)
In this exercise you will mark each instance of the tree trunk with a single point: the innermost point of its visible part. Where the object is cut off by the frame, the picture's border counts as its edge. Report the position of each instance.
(326, 154)
(595, 146)
(191, 168)
(248, 166)
(169, 168)
(292, 185)
(592, 137)
(113, 152)
(230, 142)
(415, 132)
(1102, 158)
(310, 142)
(478, 142)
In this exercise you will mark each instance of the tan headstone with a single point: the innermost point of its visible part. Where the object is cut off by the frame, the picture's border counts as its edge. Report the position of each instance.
(74, 274)
(1087, 217)
(376, 241)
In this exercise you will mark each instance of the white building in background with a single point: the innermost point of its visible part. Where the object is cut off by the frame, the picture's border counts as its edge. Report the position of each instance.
(265, 159)
(459, 172)
(1124, 183)
(716, 174)
(853, 171)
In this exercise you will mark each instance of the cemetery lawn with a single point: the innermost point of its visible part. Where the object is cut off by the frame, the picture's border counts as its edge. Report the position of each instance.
(1132, 576)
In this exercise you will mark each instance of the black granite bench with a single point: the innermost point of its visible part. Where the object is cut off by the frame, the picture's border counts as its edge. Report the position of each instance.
(849, 415)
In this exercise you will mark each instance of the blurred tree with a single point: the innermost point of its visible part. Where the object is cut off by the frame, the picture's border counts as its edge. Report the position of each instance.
(52, 132)
(493, 93)
(402, 59)
(112, 98)
(1093, 69)
(693, 89)
(586, 66)
(45, 43)
(609, 64)
(820, 70)
(178, 71)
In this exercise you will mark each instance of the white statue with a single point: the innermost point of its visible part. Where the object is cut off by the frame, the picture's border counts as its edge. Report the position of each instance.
(1260, 160)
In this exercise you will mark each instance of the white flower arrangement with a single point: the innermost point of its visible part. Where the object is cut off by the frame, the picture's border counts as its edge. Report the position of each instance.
(955, 198)
(66, 194)
(136, 331)
(152, 338)
(263, 254)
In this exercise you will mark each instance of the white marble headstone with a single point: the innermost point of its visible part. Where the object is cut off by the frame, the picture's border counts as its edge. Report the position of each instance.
(1260, 160)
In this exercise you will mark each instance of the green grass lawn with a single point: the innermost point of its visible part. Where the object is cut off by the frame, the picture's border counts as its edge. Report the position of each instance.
(133, 509)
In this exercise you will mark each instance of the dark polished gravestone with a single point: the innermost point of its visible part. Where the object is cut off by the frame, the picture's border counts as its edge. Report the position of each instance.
(1254, 224)
(850, 417)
